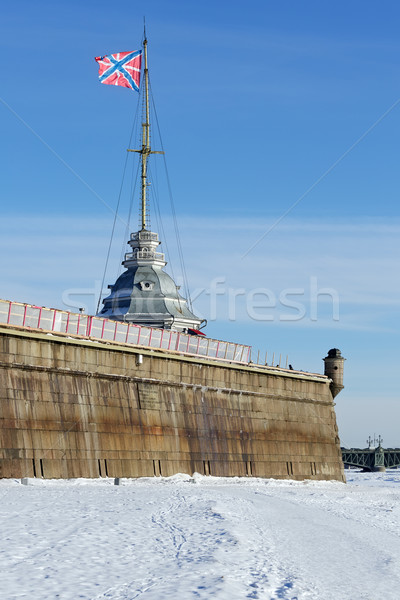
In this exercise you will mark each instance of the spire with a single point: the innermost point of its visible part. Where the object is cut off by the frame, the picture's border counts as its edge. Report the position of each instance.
(146, 150)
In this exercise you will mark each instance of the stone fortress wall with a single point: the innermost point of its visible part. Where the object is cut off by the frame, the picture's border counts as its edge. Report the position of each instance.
(73, 407)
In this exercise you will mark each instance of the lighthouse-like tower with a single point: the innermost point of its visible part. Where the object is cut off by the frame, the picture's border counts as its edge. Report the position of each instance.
(145, 294)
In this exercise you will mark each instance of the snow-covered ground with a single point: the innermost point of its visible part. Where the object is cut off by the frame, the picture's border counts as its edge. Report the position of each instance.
(201, 537)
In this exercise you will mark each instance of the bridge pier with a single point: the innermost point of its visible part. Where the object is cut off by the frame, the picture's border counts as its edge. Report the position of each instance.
(379, 460)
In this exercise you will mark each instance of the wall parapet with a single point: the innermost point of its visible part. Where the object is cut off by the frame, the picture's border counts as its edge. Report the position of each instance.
(85, 326)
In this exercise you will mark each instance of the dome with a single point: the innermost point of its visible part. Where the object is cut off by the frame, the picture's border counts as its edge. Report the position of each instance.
(334, 353)
(145, 294)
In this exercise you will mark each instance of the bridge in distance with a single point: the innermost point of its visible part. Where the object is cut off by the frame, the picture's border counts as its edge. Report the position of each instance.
(373, 458)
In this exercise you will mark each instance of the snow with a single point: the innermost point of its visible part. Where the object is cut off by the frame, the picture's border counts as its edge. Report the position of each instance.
(201, 537)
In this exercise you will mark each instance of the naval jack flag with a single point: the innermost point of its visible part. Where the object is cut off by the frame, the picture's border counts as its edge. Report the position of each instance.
(122, 68)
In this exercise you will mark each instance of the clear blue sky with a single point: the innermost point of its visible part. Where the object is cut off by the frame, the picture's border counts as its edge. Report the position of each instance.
(256, 102)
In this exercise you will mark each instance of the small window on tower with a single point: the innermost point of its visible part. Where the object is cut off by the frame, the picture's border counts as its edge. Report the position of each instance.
(147, 286)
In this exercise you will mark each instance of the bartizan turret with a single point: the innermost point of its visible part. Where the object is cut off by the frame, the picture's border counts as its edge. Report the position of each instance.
(334, 370)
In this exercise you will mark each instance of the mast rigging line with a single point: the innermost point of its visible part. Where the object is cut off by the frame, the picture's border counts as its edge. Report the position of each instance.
(147, 171)
(174, 218)
(157, 211)
(116, 213)
(133, 186)
(134, 180)
(160, 226)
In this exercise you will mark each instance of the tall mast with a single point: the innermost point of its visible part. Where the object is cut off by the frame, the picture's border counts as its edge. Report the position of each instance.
(146, 149)
(145, 136)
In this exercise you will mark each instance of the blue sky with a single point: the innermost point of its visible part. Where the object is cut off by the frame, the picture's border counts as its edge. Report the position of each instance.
(262, 107)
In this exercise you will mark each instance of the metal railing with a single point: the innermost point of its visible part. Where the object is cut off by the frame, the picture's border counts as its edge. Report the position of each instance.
(144, 235)
(60, 321)
(144, 254)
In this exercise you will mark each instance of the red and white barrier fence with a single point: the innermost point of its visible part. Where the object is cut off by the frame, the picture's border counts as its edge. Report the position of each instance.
(51, 319)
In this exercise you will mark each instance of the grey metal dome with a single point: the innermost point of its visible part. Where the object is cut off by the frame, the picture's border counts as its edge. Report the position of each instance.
(144, 294)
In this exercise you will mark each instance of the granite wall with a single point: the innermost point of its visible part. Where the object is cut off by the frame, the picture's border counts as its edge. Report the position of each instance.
(79, 408)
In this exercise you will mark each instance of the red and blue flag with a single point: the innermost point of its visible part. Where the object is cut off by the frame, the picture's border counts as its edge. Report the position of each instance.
(122, 68)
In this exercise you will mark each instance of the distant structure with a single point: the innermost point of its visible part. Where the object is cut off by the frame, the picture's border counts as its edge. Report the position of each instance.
(373, 458)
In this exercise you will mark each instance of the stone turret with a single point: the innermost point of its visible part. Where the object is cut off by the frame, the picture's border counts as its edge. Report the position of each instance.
(334, 370)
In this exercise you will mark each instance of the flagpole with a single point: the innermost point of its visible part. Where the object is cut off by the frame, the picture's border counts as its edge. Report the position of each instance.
(145, 136)
(146, 149)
